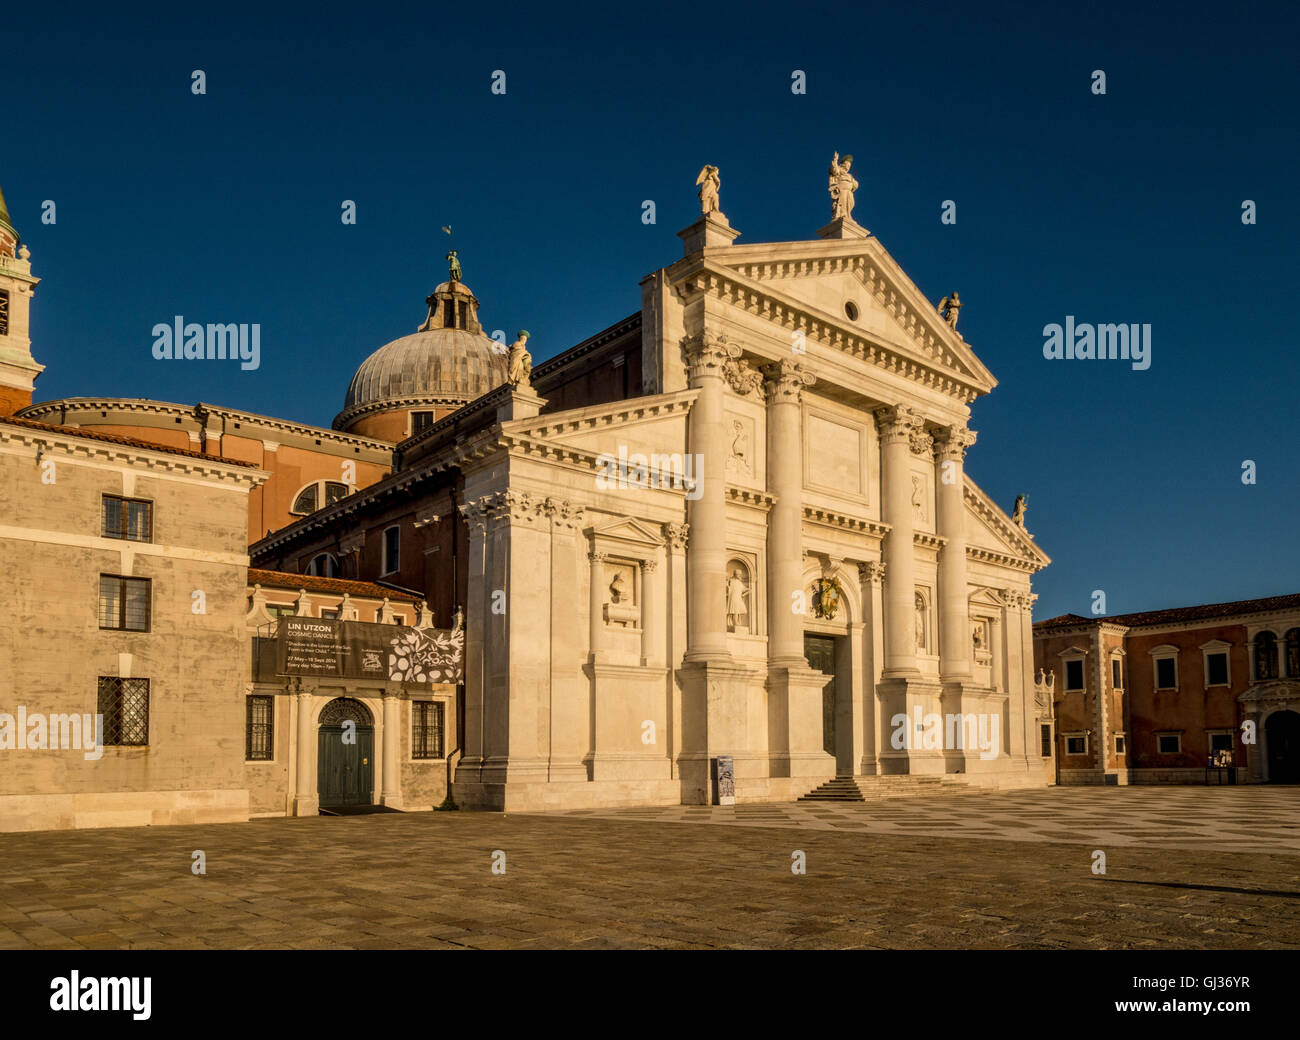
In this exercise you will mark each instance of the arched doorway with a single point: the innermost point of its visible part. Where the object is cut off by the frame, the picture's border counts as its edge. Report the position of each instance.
(1282, 737)
(345, 754)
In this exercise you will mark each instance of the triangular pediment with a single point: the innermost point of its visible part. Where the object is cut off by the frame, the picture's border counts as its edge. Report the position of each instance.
(627, 531)
(888, 311)
(989, 528)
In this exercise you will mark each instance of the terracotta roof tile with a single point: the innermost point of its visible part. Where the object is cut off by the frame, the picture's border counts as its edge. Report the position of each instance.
(312, 583)
(1175, 615)
(113, 438)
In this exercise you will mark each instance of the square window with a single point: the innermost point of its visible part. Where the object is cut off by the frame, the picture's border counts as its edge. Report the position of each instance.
(1166, 673)
(124, 603)
(127, 518)
(124, 704)
(1216, 669)
(1073, 675)
(426, 734)
(1169, 743)
(1076, 745)
(259, 743)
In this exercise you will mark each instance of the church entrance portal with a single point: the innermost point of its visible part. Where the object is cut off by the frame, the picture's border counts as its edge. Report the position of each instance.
(820, 651)
(345, 771)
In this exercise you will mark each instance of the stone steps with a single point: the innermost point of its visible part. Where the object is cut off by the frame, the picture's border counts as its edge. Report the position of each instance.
(874, 788)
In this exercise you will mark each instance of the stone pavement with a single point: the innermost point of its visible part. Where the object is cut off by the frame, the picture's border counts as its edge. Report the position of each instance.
(916, 874)
(1253, 819)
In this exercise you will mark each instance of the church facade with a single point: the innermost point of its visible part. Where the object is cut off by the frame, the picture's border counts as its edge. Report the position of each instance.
(724, 549)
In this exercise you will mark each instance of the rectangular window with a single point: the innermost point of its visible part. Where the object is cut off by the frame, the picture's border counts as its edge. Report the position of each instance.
(1073, 675)
(124, 603)
(124, 703)
(421, 421)
(1166, 674)
(1169, 743)
(1119, 743)
(392, 545)
(448, 315)
(426, 739)
(1220, 742)
(259, 743)
(1116, 674)
(329, 613)
(1045, 735)
(279, 610)
(1216, 669)
(128, 518)
(1076, 745)
(462, 315)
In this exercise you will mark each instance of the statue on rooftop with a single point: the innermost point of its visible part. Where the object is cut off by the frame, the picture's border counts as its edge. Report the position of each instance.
(948, 308)
(519, 367)
(709, 183)
(454, 265)
(842, 186)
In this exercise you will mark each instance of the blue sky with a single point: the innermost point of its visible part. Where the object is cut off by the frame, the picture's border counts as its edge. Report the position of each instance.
(1117, 208)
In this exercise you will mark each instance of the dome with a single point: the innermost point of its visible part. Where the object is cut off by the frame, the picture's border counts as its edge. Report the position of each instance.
(442, 364)
(447, 363)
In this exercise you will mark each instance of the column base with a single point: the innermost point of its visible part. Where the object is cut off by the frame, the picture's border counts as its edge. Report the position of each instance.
(306, 806)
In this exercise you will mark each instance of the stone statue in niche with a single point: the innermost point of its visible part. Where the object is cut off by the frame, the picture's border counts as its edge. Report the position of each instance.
(616, 590)
(977, 636)
(918, 497)
(737, 601)
(920, 623)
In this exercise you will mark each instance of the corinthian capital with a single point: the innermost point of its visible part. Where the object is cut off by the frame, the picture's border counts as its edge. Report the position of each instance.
(786, 380)
(898, 423)
(706, 355)
(951, 442)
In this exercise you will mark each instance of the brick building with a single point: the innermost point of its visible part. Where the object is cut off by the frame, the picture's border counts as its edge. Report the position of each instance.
(1157, 696)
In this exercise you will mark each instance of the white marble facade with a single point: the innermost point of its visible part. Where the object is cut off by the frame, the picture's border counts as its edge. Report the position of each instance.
(795, 468)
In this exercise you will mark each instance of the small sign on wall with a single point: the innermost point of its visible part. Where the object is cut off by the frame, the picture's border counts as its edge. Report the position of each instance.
(724, 781)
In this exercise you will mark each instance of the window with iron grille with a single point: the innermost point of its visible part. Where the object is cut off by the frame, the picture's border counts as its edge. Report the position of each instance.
(124, 704)
(1045, 733)
(260, 732)
(124, 603)
(426, 740)
(128, 518)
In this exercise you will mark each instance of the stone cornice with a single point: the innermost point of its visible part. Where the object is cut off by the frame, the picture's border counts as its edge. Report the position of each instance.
(616, 413)
(1001, 559)
(72, 446)
(748, 497)
(845, 522)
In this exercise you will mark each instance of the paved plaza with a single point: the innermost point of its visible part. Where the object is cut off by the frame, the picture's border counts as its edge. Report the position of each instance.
(1212, 868)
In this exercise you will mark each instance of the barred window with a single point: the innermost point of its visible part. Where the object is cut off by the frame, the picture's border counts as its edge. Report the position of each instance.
(1045, 736)
(124, 704)
(260, 731)
(129, 518)
(426, 739)
(124, 603)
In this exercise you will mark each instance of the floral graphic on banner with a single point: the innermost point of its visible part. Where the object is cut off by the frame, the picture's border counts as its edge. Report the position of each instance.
(426, 655)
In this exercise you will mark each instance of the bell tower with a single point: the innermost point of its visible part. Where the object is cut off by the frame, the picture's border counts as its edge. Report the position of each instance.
(18, 369)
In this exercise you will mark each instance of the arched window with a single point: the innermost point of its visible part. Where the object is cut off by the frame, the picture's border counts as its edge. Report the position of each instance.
(1266, 655)
(317, 495)
(323, 565)
(1293, 654)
